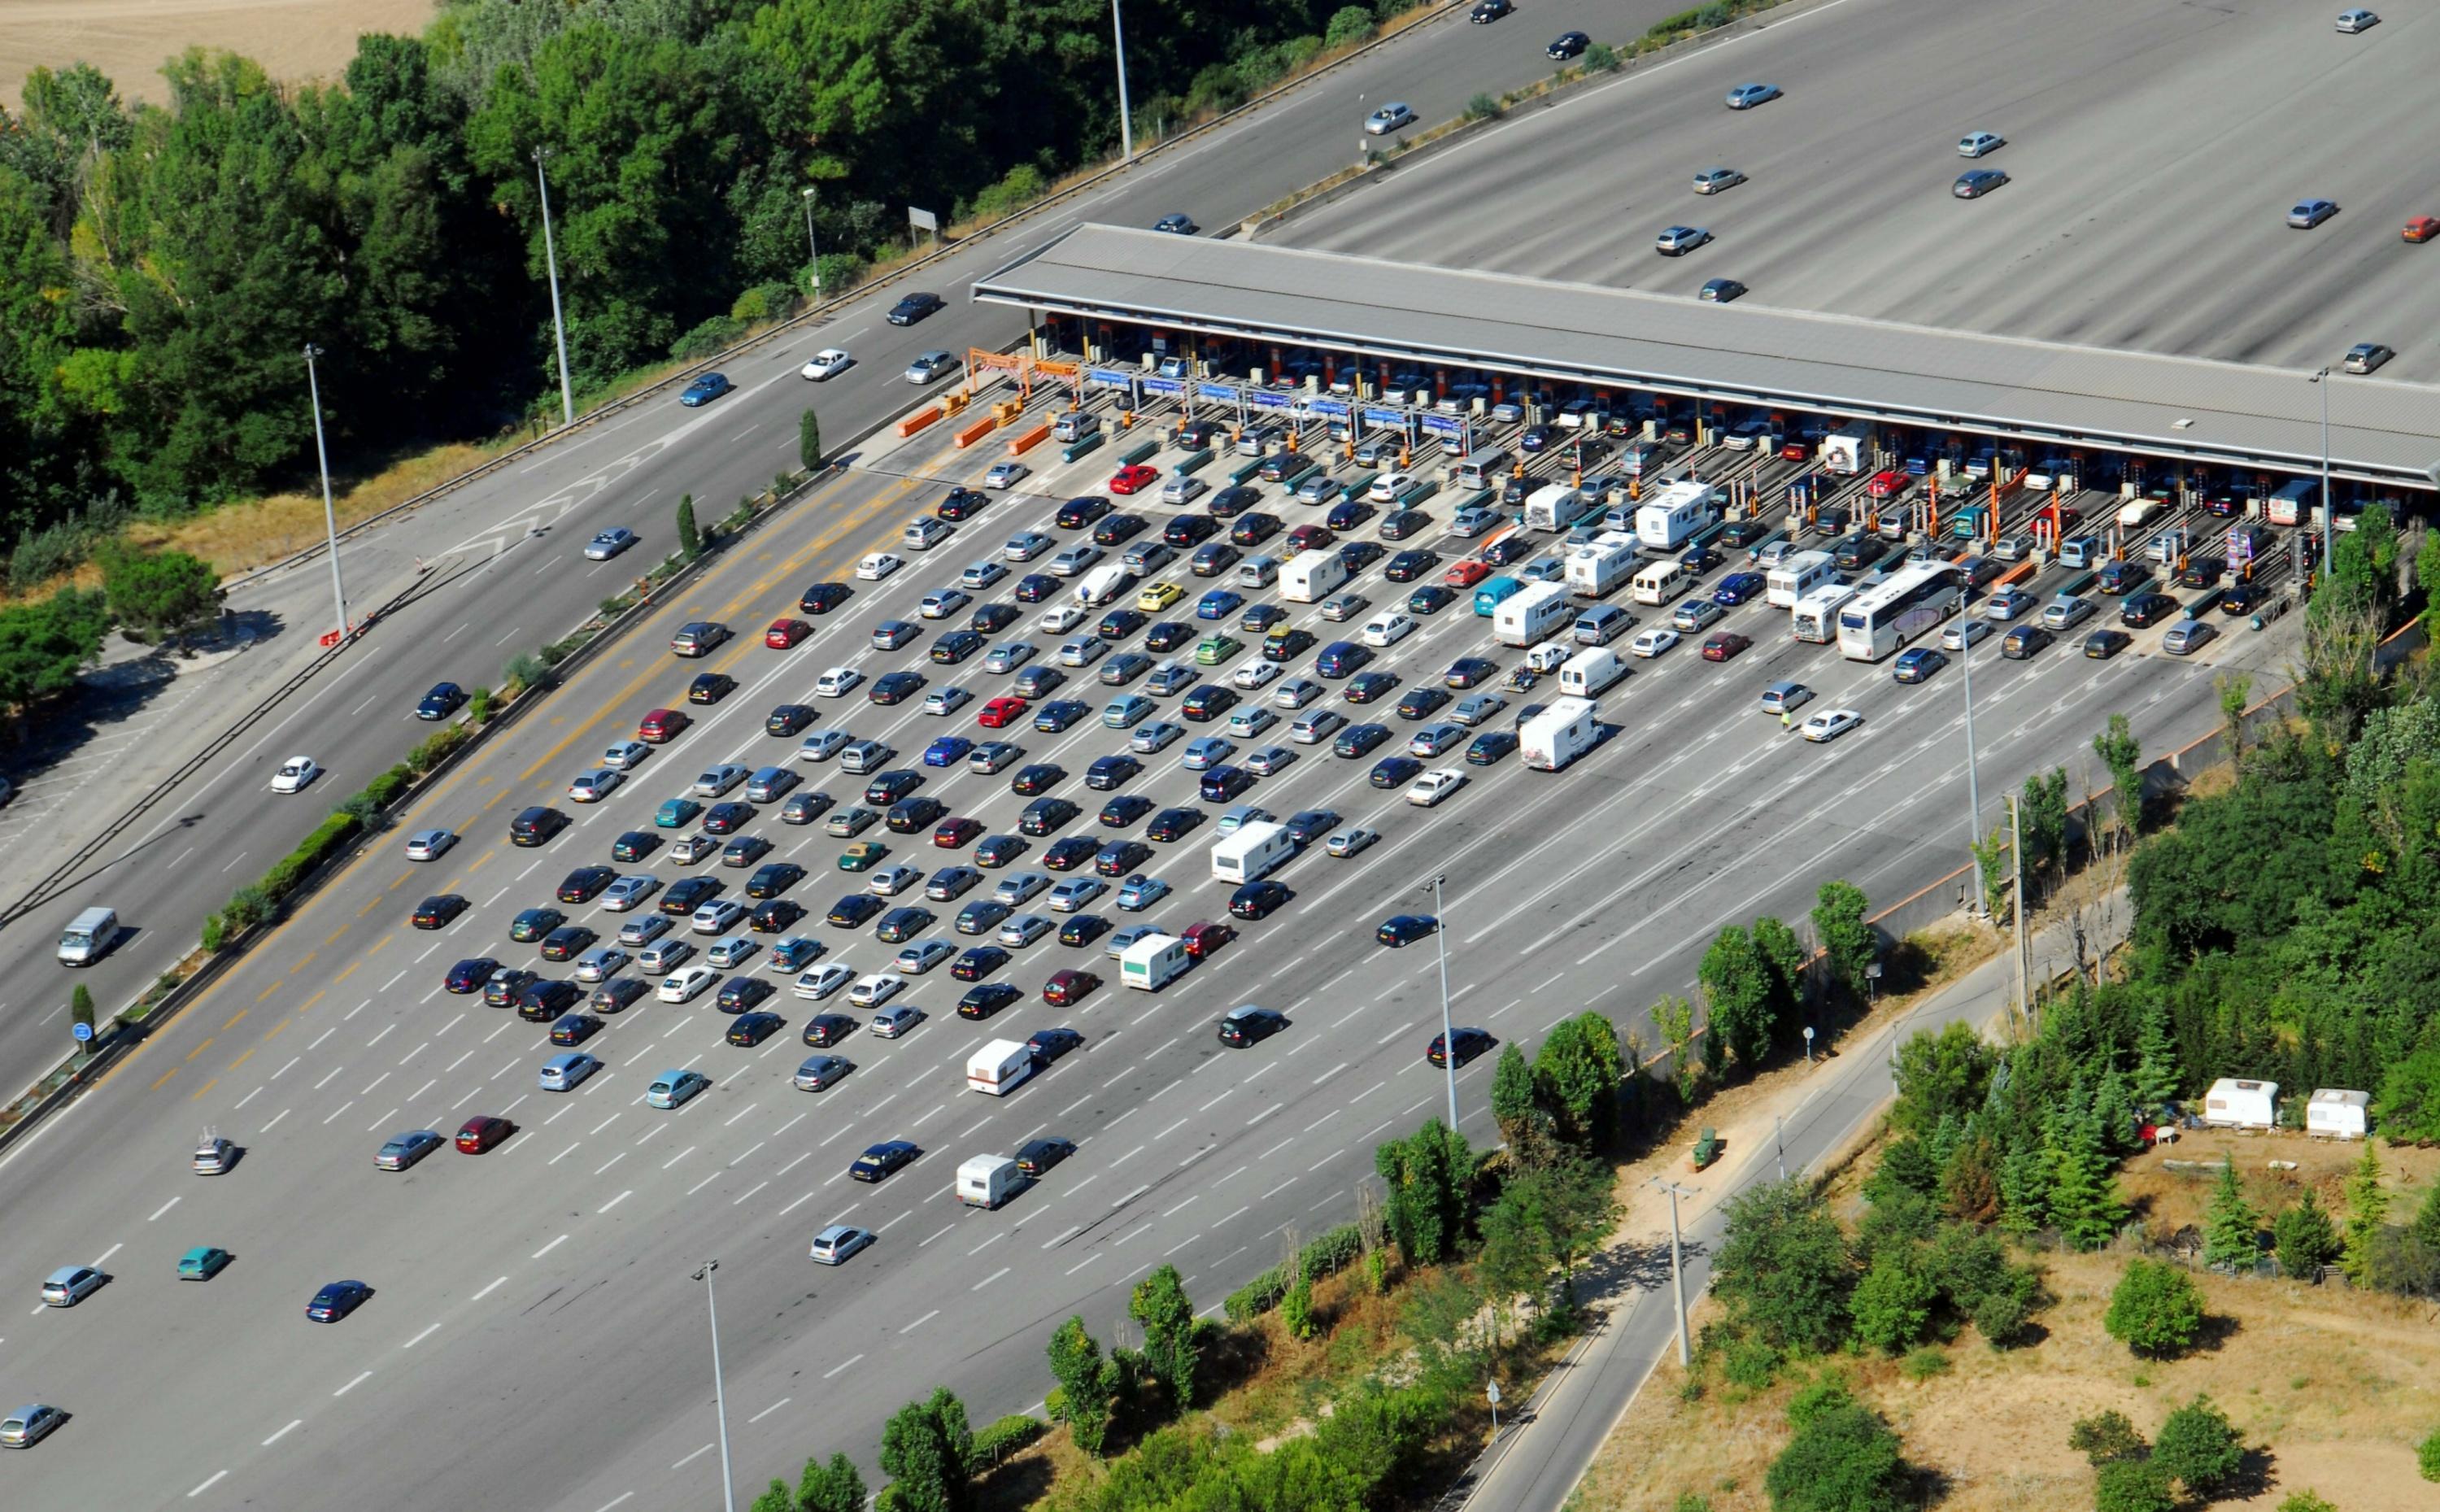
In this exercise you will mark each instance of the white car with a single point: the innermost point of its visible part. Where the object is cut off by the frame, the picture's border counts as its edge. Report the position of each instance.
(1005, 475)
(1075, 893)
(945, 701)
(1974, 144)
(920, 955)
(601, 963)
(1182, 490)
(1830, 724)
(1083, 651)
(1347, 842)
(1386, 486)
(874, 990)
(892, 1022)
(626, 755)
(719, 916)
(878, 566)
(1431, 787)
(837, 683)
(1395, 116)
(1652, 642)
(628, 891)
(293, 774)
(428, 845)
(930, 364)
(823, 981)
(1960, 631)
(593, 786)
(838, 1244)
(1388, 629)
(826, 364)
(686, 983)
(1255, 674)
(942, 602)
(1062, 619)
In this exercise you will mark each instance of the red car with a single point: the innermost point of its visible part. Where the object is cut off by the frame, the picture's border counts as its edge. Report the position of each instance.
(1201, 938)
(952, 832)
(2422, 229)
(1000, 712)
(1134, 478)
(1467, 573)
(785, 633)
(1724, 644)
(1310, 538)
(1889, 485)
(483, 1132)
(662, 724)
(1794, 451)
(1067, 988)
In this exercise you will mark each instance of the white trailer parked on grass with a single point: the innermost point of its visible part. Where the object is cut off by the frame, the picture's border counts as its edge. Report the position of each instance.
(2337, 1114)
(2237, 1102)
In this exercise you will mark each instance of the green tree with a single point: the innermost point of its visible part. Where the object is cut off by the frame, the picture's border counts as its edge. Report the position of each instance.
(832, 1488)
(1296, 1309)
(1427, 1173)
(690, 537)
(161, 591)
(1783, 1271)
(81, 1006)
(2236, 695)
(809, 440)
(1514, 1259)
(1088, 1385)
(1736, 987)
(1892, 1303)
(2427, 1456)
(1839, 911)
(2156, 1072)
(2082, 1202)
(2424, 1230)
(2106, 1438)
(2408, 1106)
(1940, 1077)
(927, 1452)
(2367, 1207)
(1843, 1459)
(2155, 1309)
(1160, 1307)
(2123, 754)
(1783, 959)
(1523, 1124)
(1347, 25)
(2306, 1238)
(1576, 1075)
(2042, 814)
(2232, 1228)
(45, 643)
(2133, 1486)
(1673, 1017)
(2200, 1447)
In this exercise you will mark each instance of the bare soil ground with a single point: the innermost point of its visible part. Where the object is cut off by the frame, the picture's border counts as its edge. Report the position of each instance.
(296, 41)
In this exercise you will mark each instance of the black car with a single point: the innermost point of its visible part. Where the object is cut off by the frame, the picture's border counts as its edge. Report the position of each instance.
(1174, 823)
(743, 851)
(1404, 929)
(1398, 525)
(1108, 773)
(1119, 623)
(687, 894)
(1082, 928)
(1568, 44)
(977, 963)
(1125, 809)
(742, 992)
(896, 687)
(913, 308)
(1396, 771)
(1168, 636)
(710, 686)
(823, 1031)
(2102, 644)
(1208, 702)
(1430, 599)
(955, 647)
(1233, 500)
(441, 702)
(436, 912)
(788, 719)
(987, 999)
(2141, 609)
(1213, 558)
(725, 819)
(536, 825)
(1462, 1046)
(1366, 687)
(752, 1029)
(1348, 514)
(1358, 740)
(913, 815)
(567, 942)
(851, 911)
(1036, 586)
(1189, 530)
(889, 786)
(1485, 11)
(532, 923)
(981, 916)
(1287, 647)
(999, 849)
(2240, 598)
(1069, 852)
(776, 915)
(903, 923)
(1036, 778)
(1115, 530)
(882, 1158)
(1036, 1157)
(1357, 555)
(1421, 703)
(824, 597)
(774, 879)
(1470, 671)
(1059, 714)
(1407, 566)
(1120, 857)
(1257, 900)
(2025, 640)
(1305, 826)
(1488, 747)
(1083, 510)
(507, 986)
(633, 845)
(961, 504)
(1050, 1044)
(994, 617)
(546, 1000)
(1250, 1025)
(1047, 816)
(470, 974)
(1253, 528)
(585, 883)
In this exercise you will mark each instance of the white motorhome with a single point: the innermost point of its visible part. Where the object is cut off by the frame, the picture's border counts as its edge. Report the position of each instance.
(1676, 515)
(1555, 507)
(1797, 575)
(1532, 614)
(1254, 851)
(1849, 449)
(1308, 575)
(2336, 1113)
(999, 1068)
(1599, 566)
(1590, 671)
(1816, 615)
(2237, 1102)
(1153, 963)
(1558, 734)
(988, 1180)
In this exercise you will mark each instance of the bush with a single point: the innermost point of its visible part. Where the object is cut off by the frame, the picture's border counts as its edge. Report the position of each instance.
(766, 302)
(1923, 1365)
(247, 907)
(1753, 1364)
(1329, 1252)
(437, 747)
(1999, 1317)
(1601, 58)
(842, 272)
(362, 808)
(1892, 1303)
(1349, 24)
(1021, 186)
(995, 1441)
(2106, 1438)
(1296, 1311)
(1845, 1460)
(1820, 1395)
(1256, 1296)
(2133, 1486)
(478, 710)
(2154, 1311)
(2427, 1456)
(2309, 1502)
(2200, 1447)
(215, 933)
(389, 786)
(708, 339)
(1481, 107)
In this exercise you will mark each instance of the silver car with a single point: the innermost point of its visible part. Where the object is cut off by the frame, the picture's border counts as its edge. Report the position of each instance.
(929, 366)
(643, 930)
(1074, 560)
(428, 845)
(1024, 930)
(70, 1285)
(720, 779)
(601, 963)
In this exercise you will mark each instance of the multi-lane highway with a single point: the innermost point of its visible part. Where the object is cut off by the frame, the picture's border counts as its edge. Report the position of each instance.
(503, 572)
(2153, 152)
(532, 1309)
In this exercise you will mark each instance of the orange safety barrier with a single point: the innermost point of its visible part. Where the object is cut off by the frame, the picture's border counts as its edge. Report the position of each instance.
(955, 403)
(2019, 573)
(976, 432)
(919, 420)
(1019, 446)
(1006, 410)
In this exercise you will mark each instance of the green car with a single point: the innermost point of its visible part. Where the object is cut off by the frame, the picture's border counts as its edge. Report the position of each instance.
(1213, 650)
(633, 846)
(861, 856)
(674, 812)
(203, 1261)
(533, 923)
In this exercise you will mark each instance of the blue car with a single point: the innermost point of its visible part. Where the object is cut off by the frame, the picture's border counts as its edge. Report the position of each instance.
(705, 389)
(1060, 713)
(336, 1301)
(441, 702)
(1218, 605)
(947, 752)
(1737, 588)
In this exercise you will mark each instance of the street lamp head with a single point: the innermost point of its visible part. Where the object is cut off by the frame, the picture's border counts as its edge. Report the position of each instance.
(809, 190)
(312, 352)
(709, 1267)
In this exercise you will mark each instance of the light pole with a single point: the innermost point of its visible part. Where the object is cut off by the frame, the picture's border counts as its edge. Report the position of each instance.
(1126, 125)
(1678, 1266)
(1973, 790)
(813, 251)
(329, 516)
(550, 260)
(1448, 1032)
(2329, 507)
(719, 1405)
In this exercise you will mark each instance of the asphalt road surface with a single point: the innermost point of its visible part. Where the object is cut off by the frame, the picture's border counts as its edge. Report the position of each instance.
(534, 1339)
(2153, 152)
(505, 570)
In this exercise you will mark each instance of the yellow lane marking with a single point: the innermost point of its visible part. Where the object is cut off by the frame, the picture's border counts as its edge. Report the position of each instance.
(206, 1088)
(307, 959)
(204, 1046)
(241, 1060)
(308, 1004)
(233, 1018)
(266, 992)
(349, 972)
(275, 1031)
(164, 1077)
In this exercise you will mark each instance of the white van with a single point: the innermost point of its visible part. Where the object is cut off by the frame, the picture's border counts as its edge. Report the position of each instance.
(1258, 572)
(1103, 585)
(988, 1180)
(1482, 469)
(1590, 671)
(88, 937)
(1657, 582)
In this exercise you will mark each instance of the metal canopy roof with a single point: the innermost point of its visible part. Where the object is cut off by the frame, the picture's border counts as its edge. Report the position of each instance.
(2182, 407)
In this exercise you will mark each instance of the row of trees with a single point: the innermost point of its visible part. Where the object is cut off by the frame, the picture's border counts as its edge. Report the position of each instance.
(162, 266)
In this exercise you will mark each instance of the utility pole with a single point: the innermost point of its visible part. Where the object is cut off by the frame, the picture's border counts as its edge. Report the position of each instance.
(2329, 505)
(550, 260)
(719, 1404)
(1779, 1145)
(812, 251)
(2016, 864)
(330, 514)
(1126, 125)
(1678, 1266)
(1448, 1032)
(1973, 789)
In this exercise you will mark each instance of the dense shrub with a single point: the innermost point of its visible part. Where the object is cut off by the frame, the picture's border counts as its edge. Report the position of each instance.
(1845, 1459)
(995, 1441)
(1256, 1296)
(2155, 1309)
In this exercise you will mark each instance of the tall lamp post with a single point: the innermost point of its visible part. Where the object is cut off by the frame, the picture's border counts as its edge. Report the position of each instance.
(1973, 790)
(1126, 125)
(330, 514)
(2329, 505)
(1448, 1032)
(813, 251)
(550, 260)
(719, 1404)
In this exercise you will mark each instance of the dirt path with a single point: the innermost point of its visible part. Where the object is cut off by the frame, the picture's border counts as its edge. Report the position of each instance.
(295, 40)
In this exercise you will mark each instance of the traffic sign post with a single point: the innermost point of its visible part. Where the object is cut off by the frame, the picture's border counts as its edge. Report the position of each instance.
(1492, 1391)
(83, 1033)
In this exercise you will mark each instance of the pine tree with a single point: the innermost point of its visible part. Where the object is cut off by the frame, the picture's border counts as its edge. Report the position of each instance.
(2367, 1205)
(2306, 1238)
(2025, 1183)
(2232, 1229)
(2084, 1205)
(2156, 1060)
(2426, 1226)
(690, 536)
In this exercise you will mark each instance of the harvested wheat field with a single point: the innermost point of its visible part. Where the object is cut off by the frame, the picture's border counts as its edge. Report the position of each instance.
(296, 41)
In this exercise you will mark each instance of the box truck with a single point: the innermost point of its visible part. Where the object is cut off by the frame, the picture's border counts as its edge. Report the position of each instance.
(999, 1068)
(1558, 734)
(1678, 514)
(1153, 961)
(1534, 613)
(1598, 566)
(988, 1180)
(1849, 449)
(1590, 671)
(1308, 575)
(1251, 852)
(1555, 507)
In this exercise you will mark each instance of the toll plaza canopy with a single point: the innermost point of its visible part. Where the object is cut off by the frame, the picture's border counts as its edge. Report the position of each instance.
(2254, 417)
